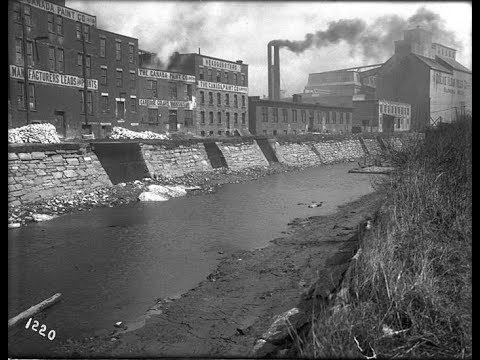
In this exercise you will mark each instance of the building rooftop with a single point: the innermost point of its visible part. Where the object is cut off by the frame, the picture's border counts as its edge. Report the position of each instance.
(214, 58)
(454, 64)
(433, 64)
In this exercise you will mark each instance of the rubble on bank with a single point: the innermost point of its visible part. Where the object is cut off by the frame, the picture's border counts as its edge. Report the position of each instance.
(34, 133)
(122, 133)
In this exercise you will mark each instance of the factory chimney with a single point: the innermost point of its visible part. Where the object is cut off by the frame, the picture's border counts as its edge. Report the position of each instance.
(273, 71)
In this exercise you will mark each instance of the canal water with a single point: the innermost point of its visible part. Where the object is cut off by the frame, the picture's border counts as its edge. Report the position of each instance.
(111, 264)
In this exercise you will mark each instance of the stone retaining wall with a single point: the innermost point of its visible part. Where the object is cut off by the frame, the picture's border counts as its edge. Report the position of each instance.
(296, 154)
(177, 161)
(339, 151)
(242, 155)
(373, 146)
(42, 172)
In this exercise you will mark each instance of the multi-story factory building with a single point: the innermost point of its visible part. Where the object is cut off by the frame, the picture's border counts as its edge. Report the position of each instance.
(220, 94)
(116, 71)
(275, 117)
(341, 87)
(45, 40)
(427, 76)
(165, 101)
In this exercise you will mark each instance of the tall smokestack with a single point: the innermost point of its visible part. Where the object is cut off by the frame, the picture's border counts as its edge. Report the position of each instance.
(273, 71)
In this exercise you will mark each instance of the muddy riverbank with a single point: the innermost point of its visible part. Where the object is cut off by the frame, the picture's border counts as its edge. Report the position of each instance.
(231, 309)
(125, 193)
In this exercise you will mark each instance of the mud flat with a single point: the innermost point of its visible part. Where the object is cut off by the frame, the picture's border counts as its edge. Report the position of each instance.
(229, 311)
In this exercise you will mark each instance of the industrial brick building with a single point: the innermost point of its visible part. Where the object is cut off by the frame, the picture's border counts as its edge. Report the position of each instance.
(125, 86)
(275, 117)
(220, 94)
(427, 76)
(117, 64)
(45, 40)
(165, 101)
(380, 116)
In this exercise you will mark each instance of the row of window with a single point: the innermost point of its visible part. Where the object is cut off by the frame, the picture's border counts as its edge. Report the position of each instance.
(152, 118)
(323, 117)
(219, 99)
(444, 51)
(211, 119)
(152, 86)
(55, 25)
(237, 80)
(120, 105)
(118, 77)
(32, 102)
(211, 133)
(394, 109)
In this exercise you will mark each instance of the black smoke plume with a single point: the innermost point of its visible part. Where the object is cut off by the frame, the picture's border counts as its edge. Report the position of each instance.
(373, 41)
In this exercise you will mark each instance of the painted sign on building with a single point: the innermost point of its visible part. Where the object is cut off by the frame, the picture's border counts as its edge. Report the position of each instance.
(159, 74)
(46, 77)
(219, 86)
(221, 65)
(171, 104)
(62, 11)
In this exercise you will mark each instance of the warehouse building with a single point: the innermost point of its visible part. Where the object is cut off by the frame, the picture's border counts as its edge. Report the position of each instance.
(275, 117)
(427, 76)
(117, 82)
(165, 101)
(220, 94)
(341, 87)
(44, 40)
(380, 116)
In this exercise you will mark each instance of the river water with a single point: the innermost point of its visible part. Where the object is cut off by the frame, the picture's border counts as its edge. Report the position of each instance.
(110, 264)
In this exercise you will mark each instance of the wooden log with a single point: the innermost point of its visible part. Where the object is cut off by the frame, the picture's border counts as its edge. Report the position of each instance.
(34, 309)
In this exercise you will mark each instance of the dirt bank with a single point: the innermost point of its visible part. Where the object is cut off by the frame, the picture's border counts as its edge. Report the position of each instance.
(227, 312)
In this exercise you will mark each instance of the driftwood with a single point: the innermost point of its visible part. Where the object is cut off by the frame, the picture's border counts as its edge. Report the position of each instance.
(34, 310)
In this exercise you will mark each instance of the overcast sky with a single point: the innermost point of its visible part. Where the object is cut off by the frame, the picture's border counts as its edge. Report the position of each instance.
(241, 31)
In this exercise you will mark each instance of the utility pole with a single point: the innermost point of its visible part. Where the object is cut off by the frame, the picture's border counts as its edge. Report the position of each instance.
(84, 65)
(25, 65)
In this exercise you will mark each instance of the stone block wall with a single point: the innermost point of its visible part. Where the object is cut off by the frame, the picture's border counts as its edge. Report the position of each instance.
(339, 151)
(242, 155)
(296, 154)
(373, 146)
(44, 172)
(175, 161)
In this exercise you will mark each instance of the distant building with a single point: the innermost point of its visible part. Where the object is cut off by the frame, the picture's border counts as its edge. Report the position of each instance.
(427, 76)
(220, 94)
(273, 117)
(380, 116)
(341, 87)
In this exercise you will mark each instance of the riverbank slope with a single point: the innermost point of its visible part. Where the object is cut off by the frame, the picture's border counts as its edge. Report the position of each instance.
(225, 314)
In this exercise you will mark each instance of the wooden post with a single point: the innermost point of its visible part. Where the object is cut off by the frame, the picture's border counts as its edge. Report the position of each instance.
(34, 310)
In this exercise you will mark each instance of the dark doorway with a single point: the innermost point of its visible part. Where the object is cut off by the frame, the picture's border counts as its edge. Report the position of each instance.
(59, 123)
(388, 123)
(172, 120)
(310, 123)
(120, 109)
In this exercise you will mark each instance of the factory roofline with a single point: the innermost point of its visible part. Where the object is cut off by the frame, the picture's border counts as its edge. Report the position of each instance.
(117, 34)
(454, 64)
(349, 69)
(433, 64)
(300, 104)
(214, 58)
(448, 47)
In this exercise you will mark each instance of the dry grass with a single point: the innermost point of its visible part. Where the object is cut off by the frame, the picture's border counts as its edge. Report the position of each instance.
(414, 273)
